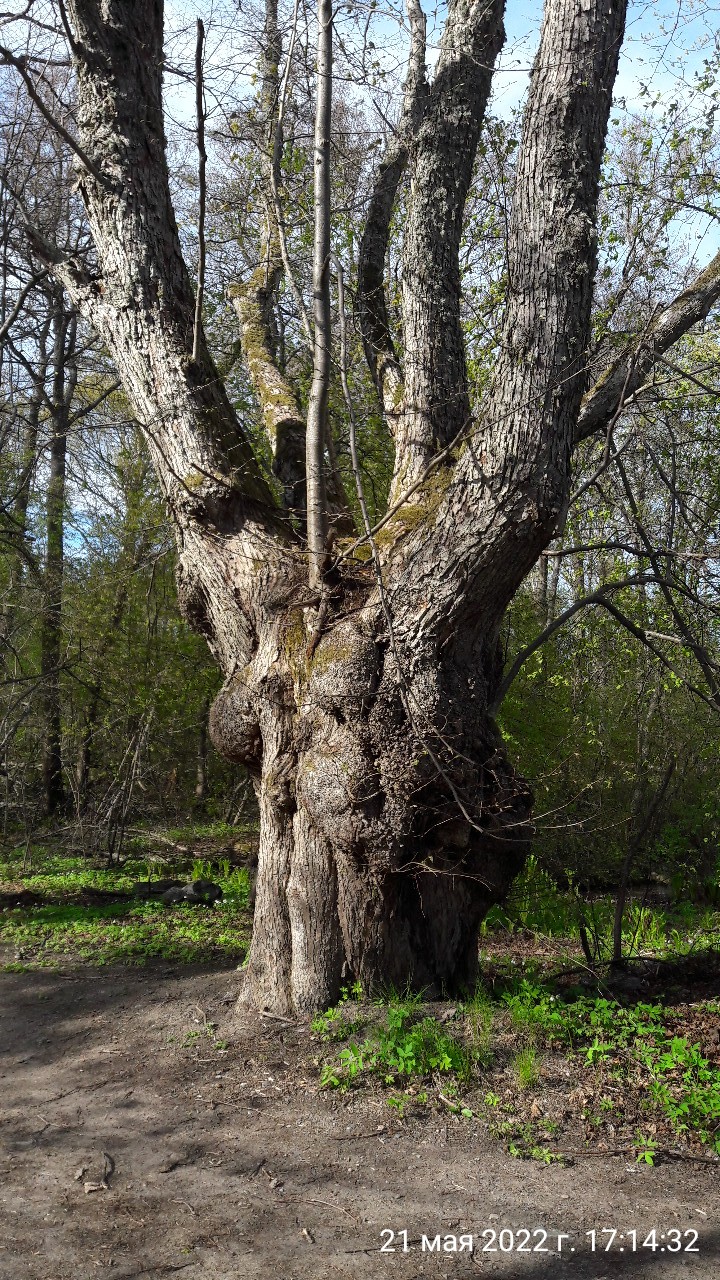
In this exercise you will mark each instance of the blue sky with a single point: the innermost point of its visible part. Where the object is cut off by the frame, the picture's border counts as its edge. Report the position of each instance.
(666, 40)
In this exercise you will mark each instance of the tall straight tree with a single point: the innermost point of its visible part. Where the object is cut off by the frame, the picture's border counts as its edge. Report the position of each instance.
(359, 695)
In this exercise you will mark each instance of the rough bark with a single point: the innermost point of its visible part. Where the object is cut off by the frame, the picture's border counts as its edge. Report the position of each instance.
(436, 404)
(254, 302)
(283, 418)
(231, 536)
(509, 488)
(390, 817)
(380, 352)
(254, 299)
(385, 877)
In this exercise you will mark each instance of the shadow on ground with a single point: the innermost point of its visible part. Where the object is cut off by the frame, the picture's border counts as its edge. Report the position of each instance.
(226, 1162)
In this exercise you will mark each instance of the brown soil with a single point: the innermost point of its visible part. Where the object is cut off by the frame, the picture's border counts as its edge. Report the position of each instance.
(227, 1163)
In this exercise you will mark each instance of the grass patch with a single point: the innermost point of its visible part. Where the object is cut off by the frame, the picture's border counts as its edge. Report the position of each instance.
(67, 922)
(402, 1045)
(536, 905)
(637, 1075)
(116, 934)
(526, 1067)
(634, 1043)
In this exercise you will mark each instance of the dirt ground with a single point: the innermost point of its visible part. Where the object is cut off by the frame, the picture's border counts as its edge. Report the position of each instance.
(223, 1160)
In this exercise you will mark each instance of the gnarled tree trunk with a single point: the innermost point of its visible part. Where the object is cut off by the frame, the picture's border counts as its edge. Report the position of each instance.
(391, 818)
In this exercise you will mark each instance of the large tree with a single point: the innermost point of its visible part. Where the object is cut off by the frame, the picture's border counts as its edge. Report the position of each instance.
(359, 690)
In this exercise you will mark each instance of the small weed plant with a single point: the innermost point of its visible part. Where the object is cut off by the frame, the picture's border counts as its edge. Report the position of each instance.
(337, 1023)
(526, 1067)
(402, 1046)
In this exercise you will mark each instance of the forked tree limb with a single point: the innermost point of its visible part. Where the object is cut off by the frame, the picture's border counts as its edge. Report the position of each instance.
(597, 597)
(510, 486)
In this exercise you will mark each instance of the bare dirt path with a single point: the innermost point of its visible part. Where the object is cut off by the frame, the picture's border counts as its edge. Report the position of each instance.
(227, 1163)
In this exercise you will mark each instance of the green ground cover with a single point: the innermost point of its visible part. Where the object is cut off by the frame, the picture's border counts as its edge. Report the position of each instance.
(644, 1068)
(651, 1082)
(58, 906)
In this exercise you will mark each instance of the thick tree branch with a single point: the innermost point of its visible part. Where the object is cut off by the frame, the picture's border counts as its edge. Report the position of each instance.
(372, 303)
(283, 418)
(316, 432)
(254, 299)
(630, 369)
(511, 484)
(442, 154)
(142, 305)
(144, 299)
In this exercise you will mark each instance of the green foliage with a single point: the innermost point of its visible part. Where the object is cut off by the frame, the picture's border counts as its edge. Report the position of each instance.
(134, 678)
(539, 906)
(402, 1045)
(686, 1087)
(682, 1083)
(522, 1141)
(70, 924)
(526, 1067)
(118, 934)
(334, 1024)
(234, 881)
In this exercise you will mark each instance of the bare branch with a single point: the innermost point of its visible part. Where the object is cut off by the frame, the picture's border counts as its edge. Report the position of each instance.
(699, 651)
(274, 177)
(599, 596)
(19, 64)
(19, 304)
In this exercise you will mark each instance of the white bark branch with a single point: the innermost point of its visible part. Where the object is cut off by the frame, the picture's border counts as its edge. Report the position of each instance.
(317, 517)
